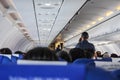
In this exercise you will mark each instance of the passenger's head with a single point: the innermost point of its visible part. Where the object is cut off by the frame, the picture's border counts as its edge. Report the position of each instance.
(76, 53)
(114, 55)
(98, 53)
(85, 35)
(19, 52)
(106, 55)
(64, 56)
(40, 53)
(5, 51)
(89, 53)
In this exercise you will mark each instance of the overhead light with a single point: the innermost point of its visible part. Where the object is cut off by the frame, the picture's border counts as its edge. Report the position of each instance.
(88, 26)
(46, 29)
(109, 13)
(118, 8)
(47, 4)
(100, 18)
(93, 22)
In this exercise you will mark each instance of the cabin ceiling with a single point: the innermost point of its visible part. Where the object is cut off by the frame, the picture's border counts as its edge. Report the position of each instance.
(41, 22)
(100, 18)
(44, 19)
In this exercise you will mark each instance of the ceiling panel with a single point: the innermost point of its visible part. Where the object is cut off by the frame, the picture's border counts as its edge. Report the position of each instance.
(44, 19)
(95, 17)
(26, 11)
(90, 15)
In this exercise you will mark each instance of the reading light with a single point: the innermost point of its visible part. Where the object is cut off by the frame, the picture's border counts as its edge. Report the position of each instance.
(88, 26)
(109, 13)
(47, 4)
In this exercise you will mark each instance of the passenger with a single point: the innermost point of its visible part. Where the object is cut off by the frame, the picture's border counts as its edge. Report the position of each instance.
(58, 49)
(114, 55)
(106, 57)
(76, 53)
(64, 56)
(5, 51)
(40, 53)
(85, 45)
(90, 54)
(20, 53)
(98, 54)
(79, 41)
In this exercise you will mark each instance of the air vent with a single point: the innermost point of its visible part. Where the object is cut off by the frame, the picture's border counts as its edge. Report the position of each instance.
(13, 15)
(20, 24)
(23, 30)
(5, 4)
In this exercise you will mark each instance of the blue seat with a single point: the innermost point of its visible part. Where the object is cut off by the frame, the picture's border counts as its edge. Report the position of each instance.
(116, 74)
(99, 74)
(42, 72)
(20, 56)
(5, 60)
(107, 59)
(104, 59)
(88, 62)
(14, 59)
(1, 57)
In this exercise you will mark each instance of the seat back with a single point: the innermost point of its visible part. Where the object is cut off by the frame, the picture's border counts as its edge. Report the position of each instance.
(5, 60)
(88, 62)
(42, 72)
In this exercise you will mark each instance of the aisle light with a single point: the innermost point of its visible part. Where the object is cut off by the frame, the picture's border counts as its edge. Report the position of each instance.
(109, 13)
(100, 18)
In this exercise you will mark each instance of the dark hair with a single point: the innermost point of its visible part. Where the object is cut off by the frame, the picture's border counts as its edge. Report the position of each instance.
(40, 53)
(5, 51)
(98, 54)
(19, 52)
(76, 53)
(64, 55)
(85, 35)
(88, 53)
(114, 55)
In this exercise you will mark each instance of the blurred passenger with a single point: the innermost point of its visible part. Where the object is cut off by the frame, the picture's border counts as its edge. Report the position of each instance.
(113, 55)
(85, 45)
(40, 53)
(64, 56)
(79, 41)
(58, 49)
(98, 53)
(5, 51)
(76, 53)
(19, 52)
(106, 57)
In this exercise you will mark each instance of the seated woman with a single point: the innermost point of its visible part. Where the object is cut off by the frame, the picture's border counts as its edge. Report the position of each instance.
(40, 53)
